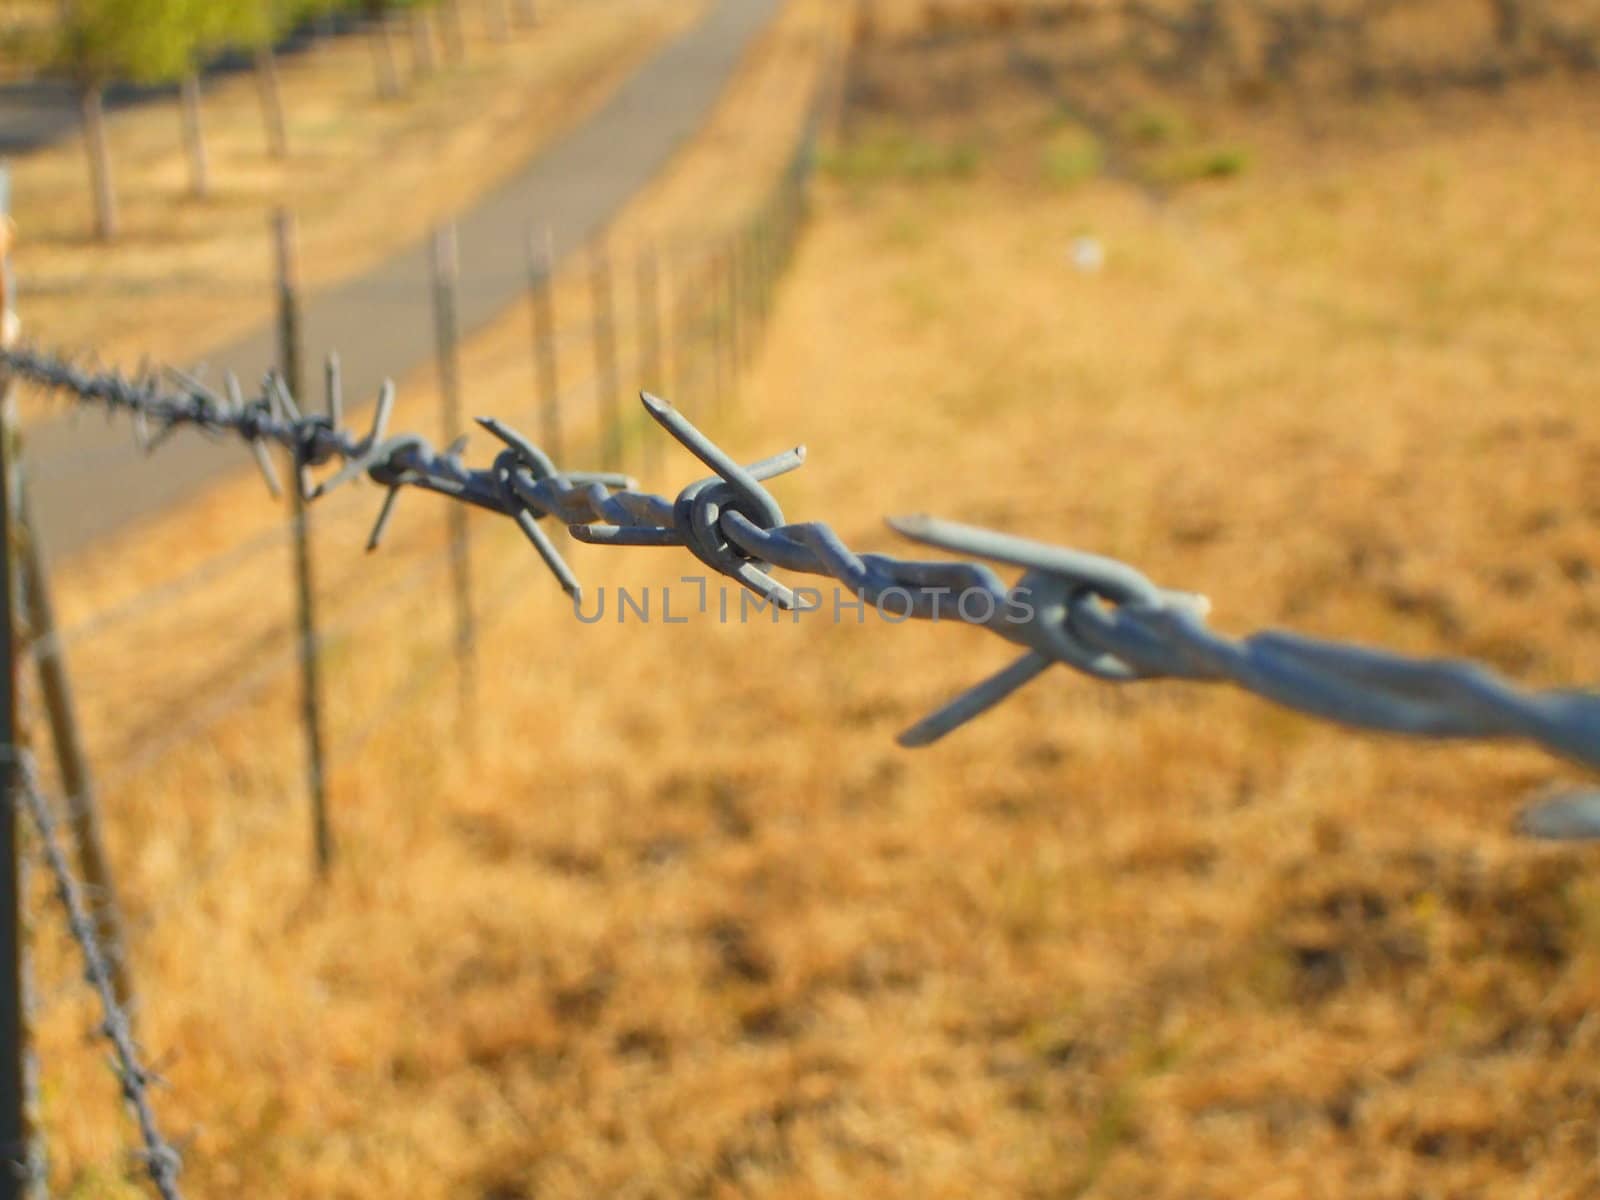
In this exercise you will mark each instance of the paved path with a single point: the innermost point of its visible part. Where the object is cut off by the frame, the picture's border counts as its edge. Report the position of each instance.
(89, 480)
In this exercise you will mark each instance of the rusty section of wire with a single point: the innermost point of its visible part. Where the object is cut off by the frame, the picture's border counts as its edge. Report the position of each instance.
(161, 1161)
(1098, 616)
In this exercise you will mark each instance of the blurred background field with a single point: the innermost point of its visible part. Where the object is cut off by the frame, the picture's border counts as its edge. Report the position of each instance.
(365, 175)
(1290, 305)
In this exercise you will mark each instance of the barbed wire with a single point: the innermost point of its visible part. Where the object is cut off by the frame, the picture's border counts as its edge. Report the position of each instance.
(1096, 615)
(161, 1160)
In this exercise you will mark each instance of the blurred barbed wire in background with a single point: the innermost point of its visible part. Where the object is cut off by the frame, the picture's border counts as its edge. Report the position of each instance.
(161, 1161)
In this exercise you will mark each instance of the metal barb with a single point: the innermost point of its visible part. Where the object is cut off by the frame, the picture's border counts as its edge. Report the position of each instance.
(382, 523)
(335, 392)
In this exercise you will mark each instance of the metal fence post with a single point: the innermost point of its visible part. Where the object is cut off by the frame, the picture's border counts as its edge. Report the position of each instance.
(763, 237)
(76, 781)
(648, 310)
(541, 288)
(18, 1159)
(736, 334)
(750, 331)
(292, 368)
(603, 297)
(446, 279)
(714, 317)
(680, 313)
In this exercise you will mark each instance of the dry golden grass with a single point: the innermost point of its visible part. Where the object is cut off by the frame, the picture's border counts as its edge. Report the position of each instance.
(689, 924)
(190, 273)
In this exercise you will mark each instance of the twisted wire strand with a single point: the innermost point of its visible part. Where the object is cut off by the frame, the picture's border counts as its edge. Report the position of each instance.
(162, 1162)
(1099, 616)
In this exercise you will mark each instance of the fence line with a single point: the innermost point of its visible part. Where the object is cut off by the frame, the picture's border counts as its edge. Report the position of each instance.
(405, 693)
(72, 762)
(649, 346)
(1100, 617)
(628, 332)
(20, 1153)
(161, 1161)
(603, 302)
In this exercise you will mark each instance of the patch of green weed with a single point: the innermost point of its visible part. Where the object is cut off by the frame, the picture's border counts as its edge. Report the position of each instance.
(1215, 162)
(897, 155)
(1155, 125)
(1072, 157)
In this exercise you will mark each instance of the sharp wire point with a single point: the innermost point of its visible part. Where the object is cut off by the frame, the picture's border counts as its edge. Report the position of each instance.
(911, 525)
(385, 511)
(281, 388)
(155, 441)
(268, 471)
(335, 392)
(380, 417)
(193, 383)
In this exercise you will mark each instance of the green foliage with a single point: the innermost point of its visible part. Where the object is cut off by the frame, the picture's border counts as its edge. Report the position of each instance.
(896, 154)
(251, 24)
(146, 41)
(152, 41)
(1155, 125)
(245, 23)
(1072, 156)
(1208, 162)
(376, 7)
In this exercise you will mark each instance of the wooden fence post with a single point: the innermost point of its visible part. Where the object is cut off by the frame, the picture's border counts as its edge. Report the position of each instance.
(20, 1154)
(384, 60)
(272, 102)
(446, 312)
(419, 21)
(291, 367)
(194, 138)
(541, 287)
(83, 811)
(604, 332)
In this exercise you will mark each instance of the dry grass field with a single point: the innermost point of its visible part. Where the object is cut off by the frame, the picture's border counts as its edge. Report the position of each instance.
(679, 919)
(188, 273)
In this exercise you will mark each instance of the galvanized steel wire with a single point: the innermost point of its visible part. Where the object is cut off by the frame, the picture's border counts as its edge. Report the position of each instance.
(161, 1161)
(1096, 615)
